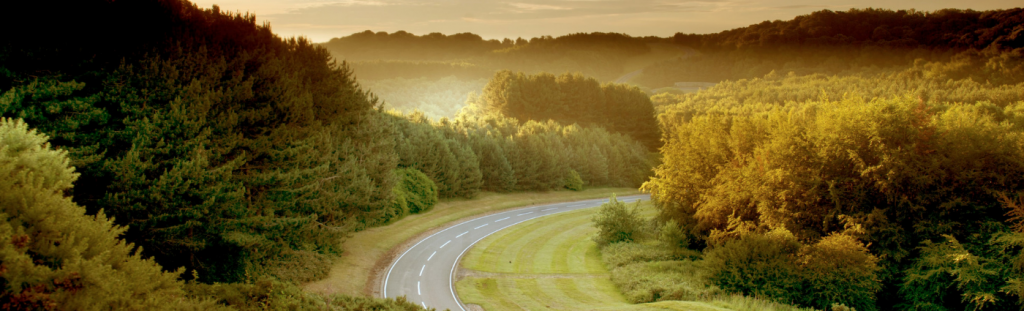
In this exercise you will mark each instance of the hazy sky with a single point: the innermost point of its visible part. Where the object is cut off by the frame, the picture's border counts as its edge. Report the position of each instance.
(321, 20)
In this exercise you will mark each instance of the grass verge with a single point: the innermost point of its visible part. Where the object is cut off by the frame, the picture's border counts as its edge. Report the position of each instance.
(368, 253)
(546, 263)
(551, 263)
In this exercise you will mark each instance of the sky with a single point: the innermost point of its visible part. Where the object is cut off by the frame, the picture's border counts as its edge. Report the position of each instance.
(321, 20)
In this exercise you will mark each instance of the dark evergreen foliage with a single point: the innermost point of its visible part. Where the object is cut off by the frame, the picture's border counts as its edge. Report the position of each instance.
(220, 146)
(55, 257)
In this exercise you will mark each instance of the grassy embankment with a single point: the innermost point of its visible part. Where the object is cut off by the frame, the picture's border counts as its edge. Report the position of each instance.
(369, 252)
(552, 263)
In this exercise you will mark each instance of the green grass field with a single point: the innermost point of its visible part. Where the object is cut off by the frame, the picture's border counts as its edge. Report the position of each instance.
(551, 263)
(368, 252)
(547, 263)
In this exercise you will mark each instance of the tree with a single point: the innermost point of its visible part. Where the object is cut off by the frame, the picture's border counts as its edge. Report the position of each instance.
(53, 255)
(616, 222)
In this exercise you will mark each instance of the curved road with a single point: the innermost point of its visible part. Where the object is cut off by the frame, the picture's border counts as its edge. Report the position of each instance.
(425, 272)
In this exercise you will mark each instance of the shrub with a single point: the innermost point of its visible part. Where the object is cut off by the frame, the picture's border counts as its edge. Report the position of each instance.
(624, 253)
(398, 208)
(299, 266)
(758, 265)
(643, 282)
(841, 307)
(739, 302)
(836, 269)
(674, 238)
(839, 269)
(617, 223)
(270, 294)
(573, 181)
(948, 274)
(420, 192)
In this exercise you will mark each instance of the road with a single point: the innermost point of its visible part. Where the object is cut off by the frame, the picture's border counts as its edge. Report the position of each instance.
(424, 273)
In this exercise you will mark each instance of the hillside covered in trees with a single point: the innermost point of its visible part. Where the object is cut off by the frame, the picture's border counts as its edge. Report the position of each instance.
(828, 42)
(883, 177)
(223, 164)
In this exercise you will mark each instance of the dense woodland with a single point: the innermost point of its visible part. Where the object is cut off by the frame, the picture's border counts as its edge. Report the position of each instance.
(885, 183)
(868, 159)
(222, 165)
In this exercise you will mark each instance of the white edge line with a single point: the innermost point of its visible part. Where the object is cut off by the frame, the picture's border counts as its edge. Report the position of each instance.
(384, 289)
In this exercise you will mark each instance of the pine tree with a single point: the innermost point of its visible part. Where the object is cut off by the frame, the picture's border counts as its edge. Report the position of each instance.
(53, 255)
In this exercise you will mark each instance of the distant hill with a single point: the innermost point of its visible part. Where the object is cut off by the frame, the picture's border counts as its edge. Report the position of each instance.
(942, 29)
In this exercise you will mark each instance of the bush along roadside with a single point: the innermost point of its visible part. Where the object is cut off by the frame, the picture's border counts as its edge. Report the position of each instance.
(650, 261)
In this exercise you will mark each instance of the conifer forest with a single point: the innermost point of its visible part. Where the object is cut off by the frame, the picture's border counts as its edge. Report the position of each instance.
(159, 155)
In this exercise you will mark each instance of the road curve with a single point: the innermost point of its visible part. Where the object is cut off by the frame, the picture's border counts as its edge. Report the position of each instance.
(424, 273)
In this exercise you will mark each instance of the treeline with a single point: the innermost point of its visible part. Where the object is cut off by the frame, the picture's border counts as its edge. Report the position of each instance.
(840, 43)
(942, 29)
(494, 153)
(907, 181)
(568, 99)
(401, 45)
(930, 82)
(401, 54)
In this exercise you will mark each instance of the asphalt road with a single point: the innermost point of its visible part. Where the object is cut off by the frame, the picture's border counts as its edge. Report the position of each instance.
(424, 273)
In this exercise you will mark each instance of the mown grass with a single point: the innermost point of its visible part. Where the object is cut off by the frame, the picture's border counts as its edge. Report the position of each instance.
(547, 263)
(369, 251)
(551, 263)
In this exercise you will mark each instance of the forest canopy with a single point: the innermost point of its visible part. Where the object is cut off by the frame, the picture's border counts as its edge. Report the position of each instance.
(919, 162)
(236, 161)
